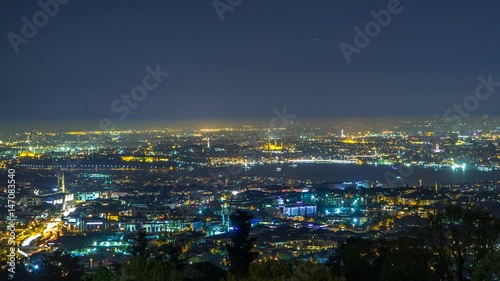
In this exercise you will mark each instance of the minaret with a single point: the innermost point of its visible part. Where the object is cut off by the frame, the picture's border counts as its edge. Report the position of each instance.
(63, 187)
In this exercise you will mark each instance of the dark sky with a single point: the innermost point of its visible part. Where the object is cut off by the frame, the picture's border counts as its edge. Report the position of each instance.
(265, 54)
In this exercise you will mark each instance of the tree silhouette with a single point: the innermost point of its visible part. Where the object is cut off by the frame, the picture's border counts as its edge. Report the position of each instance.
(271, 270)
(310, 271)
(20, 273)
(359, 259)
(102, 273)
(407, 260)
(460, 238)
(171, 249)
(148, 269)
(488, 268)
(241, 246)
(139, 248)
(59, 266)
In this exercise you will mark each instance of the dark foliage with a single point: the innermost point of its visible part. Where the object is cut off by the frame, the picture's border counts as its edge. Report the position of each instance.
(240, 251)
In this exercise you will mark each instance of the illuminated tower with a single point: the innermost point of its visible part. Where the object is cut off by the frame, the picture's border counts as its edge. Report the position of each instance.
(436, 188)
(63, 186)
(420, 182)
(225, 217)
(342, 133)
(208, 142)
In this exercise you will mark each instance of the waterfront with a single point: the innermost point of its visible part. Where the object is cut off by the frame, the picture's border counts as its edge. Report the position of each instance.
(341, 172)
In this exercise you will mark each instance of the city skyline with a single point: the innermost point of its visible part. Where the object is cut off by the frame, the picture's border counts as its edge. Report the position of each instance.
(238, 140)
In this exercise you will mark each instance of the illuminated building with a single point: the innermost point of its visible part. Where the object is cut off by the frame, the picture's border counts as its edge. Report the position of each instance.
(146, 159)
(159, 226)
(88, 196)
(273, 147)
(28, 154)
(436, 148)
(349, 141)
(299, 210)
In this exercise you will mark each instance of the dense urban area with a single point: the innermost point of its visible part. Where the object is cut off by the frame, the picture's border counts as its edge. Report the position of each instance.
(388, 199)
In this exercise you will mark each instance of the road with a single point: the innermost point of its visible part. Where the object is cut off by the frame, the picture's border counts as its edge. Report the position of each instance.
(51, 226)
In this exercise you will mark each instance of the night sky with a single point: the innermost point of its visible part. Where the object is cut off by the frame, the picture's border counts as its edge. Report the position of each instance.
(264, 54)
